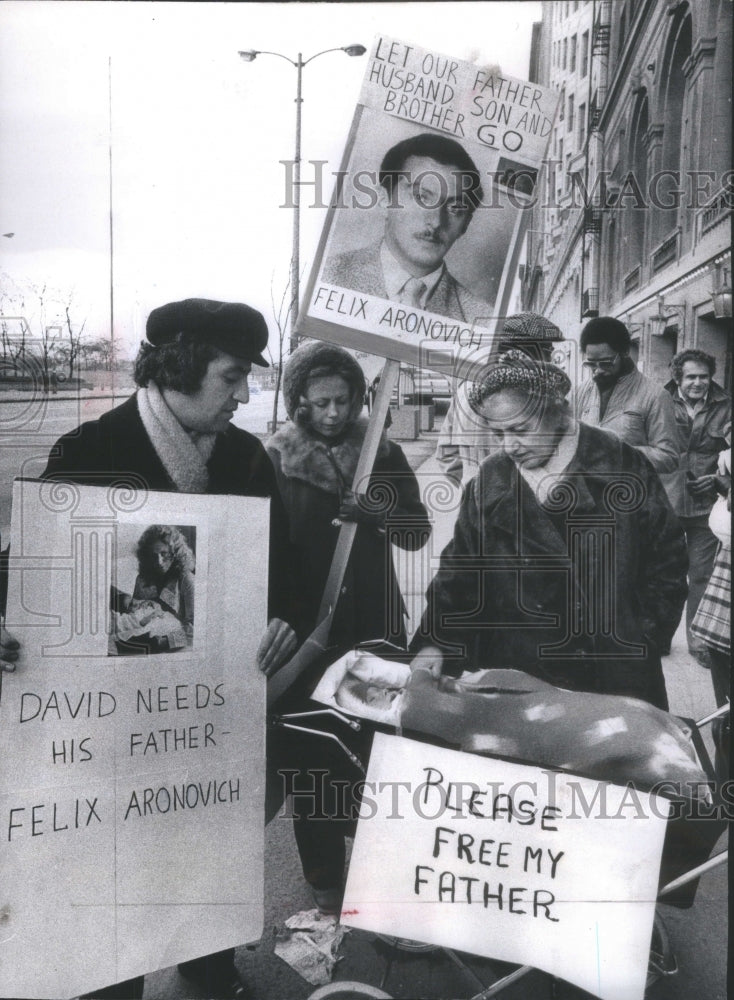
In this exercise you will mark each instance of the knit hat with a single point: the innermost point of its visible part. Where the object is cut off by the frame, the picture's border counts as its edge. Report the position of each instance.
(320, 360)
(515, 370)
(232, 327)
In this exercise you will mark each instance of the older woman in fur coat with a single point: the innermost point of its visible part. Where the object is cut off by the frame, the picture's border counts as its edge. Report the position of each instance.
(315, 457)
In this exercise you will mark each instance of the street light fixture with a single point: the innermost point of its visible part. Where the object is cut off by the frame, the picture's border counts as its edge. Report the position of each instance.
(249, 55)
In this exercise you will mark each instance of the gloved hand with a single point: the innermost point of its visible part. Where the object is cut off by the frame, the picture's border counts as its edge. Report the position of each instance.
(354, 509)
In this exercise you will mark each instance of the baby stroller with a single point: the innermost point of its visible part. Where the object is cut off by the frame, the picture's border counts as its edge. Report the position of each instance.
(689, 843)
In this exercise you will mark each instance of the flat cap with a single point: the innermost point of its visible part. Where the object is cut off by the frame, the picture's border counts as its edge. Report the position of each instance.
(529, 326)
(232, 327)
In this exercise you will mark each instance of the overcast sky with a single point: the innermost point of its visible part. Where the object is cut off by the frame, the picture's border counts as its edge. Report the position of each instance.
(196, 133)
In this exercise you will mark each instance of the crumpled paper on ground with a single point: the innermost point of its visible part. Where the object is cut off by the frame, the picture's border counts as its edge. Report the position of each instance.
(309, 942)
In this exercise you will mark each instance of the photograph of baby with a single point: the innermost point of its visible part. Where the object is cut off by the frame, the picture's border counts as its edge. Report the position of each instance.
(152, 591)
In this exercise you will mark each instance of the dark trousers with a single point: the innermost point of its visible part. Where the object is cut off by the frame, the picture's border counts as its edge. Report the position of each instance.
(312, 781)
(702, 544)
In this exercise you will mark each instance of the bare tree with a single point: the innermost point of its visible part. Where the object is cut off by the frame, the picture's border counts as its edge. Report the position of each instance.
(49, 332)
(73, 345)
(41, 333)
(281, 314)
(100, 352)
(12, 322)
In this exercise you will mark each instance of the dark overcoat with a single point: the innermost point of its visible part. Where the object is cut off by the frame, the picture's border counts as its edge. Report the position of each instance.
(313, 477)
(581, 590)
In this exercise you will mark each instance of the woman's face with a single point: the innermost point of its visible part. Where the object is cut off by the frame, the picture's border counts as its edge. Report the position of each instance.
(330, 402)
(160, 558)
(527, 432)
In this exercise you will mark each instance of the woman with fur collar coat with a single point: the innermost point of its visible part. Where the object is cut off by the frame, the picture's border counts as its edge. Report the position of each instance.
(315, 457)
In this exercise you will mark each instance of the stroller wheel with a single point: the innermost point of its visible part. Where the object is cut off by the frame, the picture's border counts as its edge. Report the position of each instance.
(662, 961)
(349, 991)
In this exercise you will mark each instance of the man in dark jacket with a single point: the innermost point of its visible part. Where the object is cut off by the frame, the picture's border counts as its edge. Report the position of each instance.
(175, 435)
(703, 424)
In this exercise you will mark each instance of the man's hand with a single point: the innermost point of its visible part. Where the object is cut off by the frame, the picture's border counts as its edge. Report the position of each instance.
(429, 658)
(704, 485)
(276, 647)
(9, 650)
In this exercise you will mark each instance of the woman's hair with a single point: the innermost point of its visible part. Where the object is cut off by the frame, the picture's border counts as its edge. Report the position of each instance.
(183, 557)
(543, 383)
(180, 364)
(320, 360)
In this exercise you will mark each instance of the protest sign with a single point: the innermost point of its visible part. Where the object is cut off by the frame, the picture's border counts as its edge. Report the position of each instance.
(442, 157)
(509, 862)
(132, 814)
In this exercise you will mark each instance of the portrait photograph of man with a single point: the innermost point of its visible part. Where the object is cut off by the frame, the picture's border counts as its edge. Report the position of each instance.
(420, 221)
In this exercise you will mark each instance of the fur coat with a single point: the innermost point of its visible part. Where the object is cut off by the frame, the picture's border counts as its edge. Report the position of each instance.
(314, 475)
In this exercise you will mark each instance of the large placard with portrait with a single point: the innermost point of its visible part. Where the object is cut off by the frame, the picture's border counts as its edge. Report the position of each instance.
(418, 253)
(133, 812)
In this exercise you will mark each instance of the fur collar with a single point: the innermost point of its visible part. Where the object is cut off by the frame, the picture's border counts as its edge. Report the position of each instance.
(327, 467)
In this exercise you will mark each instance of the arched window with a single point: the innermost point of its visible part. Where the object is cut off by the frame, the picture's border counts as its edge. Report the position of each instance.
(673, 106)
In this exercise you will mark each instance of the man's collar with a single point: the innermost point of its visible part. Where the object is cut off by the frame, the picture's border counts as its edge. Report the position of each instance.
(698, 405)
(395, 275)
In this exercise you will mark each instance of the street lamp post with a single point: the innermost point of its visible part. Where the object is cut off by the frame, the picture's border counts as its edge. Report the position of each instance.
(250, 55)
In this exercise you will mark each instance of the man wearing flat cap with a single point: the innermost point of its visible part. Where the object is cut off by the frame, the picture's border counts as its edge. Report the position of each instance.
(175, 434)
(465, 440)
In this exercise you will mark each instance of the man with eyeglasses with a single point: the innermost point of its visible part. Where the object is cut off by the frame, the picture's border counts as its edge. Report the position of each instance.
(620, 399)
(429, 190)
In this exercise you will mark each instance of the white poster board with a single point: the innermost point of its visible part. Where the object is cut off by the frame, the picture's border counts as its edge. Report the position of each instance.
(501, 127)
(132, 787)
(509, 862)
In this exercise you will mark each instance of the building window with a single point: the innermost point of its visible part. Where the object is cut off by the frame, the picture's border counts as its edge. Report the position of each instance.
(635, 215)
(559, 181)
(582, 125)
(677, 52)
(572, 67)
(584, 68)
(565, 53)
(569, 121)
(622, 31)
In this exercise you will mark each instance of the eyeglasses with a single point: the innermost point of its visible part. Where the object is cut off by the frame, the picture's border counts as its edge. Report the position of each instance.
(603, 364)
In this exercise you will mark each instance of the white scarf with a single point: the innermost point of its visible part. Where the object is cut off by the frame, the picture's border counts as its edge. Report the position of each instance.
(184, 455)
